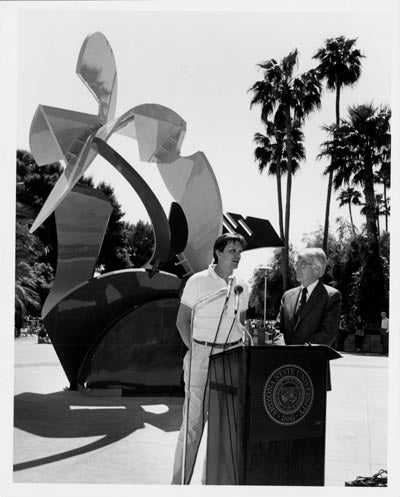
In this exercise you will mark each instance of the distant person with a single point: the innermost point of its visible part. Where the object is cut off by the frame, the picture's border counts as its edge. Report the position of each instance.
(310, 313)
(42, 335)
(359, 331)
(342, 333)
(385, 332)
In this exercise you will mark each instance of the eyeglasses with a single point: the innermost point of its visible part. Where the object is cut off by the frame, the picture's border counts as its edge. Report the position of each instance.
(303, 264)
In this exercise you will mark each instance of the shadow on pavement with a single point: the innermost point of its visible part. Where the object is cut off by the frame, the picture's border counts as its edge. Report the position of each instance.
(72, 415)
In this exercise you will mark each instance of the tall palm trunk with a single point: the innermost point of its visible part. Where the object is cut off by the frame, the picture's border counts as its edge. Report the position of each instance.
(285, 265)
(378, 225)
(386, 205)
(370, 207)
(351, 219)
(280, 209)
(327, 211)
(330, 177)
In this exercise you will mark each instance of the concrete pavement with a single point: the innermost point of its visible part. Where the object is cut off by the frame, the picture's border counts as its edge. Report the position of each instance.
(67, 437)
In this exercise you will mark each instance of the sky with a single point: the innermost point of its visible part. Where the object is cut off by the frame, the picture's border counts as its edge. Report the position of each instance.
(201, 64)
(199, 59)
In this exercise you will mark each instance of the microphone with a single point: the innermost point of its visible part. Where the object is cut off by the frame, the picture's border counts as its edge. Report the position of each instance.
(228, 292)
(238, 290)
(228, 289)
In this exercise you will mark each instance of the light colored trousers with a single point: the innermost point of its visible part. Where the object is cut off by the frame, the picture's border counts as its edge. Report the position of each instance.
(198, 411)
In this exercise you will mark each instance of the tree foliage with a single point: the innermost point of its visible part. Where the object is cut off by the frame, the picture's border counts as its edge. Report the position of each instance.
(140, 241)
(114, 252)
(349, 269)
(32, 278)
(274, 286)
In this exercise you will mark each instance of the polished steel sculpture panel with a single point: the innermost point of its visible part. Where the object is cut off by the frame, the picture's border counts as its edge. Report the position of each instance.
(149, 364)
(81, 222)
(119, 328)
(82, 316)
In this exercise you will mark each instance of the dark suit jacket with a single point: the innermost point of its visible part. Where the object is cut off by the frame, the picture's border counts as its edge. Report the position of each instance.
(319, 320)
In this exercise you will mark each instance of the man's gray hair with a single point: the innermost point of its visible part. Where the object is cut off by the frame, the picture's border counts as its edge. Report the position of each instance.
(318, 256)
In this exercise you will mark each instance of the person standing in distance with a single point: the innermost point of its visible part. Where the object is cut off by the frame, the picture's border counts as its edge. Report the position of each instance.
(385, 333)
(310, 313)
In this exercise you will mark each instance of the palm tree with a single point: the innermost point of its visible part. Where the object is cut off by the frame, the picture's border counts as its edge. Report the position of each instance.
(381, 209)
(348, 197)
(271, 151)
(356, 154)
(289, 100)
(340, 65)
(383, 176)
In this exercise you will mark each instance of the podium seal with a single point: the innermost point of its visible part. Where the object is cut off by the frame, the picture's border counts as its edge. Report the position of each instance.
(288, 394)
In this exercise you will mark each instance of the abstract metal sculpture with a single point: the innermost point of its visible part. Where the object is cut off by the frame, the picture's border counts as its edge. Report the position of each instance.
(118, 329)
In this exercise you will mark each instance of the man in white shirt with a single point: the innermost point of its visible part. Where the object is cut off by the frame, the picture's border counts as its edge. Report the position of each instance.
(310, 313)
(218, 301)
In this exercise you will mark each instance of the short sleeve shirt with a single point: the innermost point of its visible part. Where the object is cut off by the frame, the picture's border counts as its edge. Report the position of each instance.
(208, 314)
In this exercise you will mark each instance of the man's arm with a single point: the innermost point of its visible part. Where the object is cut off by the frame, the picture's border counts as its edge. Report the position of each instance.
(330, 321)
(278, 337)
(183, 323)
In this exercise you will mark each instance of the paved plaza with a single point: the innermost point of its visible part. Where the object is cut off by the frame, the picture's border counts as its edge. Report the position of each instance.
(68, 437)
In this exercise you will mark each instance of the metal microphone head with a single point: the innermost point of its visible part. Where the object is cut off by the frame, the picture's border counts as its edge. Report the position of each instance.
(238, 289)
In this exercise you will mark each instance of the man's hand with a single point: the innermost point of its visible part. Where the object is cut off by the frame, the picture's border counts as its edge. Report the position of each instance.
(183, 323)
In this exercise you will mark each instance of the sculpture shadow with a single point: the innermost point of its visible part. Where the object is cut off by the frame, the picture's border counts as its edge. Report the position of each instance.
(71, 415)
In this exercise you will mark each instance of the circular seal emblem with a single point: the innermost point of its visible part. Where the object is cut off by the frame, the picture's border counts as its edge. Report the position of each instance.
(288, 394)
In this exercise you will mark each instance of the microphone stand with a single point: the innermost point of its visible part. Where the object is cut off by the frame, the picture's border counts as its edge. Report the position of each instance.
(245, 332)
(186, 420)
(244, 329)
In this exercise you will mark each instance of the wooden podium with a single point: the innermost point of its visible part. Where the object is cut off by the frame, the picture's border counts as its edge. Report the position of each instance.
(266, 423)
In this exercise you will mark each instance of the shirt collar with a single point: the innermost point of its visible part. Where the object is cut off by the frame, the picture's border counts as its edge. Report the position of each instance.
(213, 274)
(211, 271)
(311, 287)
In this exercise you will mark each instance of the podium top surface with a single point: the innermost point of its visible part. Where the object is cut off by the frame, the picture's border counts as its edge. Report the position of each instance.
(330, 353)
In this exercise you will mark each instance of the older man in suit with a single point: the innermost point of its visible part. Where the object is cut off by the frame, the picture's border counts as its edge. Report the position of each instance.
(310, 313)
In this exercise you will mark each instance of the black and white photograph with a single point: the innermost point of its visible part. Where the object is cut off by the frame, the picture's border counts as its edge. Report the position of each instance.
(200, 280)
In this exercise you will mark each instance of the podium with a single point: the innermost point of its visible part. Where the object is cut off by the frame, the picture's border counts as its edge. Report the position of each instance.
(267, 410)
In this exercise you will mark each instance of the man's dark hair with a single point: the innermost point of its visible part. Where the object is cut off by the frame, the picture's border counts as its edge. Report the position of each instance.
(222, 241)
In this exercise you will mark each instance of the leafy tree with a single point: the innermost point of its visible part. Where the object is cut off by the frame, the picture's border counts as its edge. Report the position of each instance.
(32, 278)
(141, 242)
(340, 66)
(338, 243)
(274, 286)
(347, 260)
(289, 99)
(114, 252)
(34, 184)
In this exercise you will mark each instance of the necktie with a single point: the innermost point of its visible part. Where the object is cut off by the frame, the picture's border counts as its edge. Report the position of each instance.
(302, 303)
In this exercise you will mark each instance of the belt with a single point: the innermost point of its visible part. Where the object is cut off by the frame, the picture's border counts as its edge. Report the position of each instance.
(217, 345)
